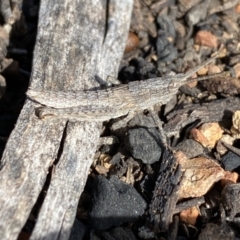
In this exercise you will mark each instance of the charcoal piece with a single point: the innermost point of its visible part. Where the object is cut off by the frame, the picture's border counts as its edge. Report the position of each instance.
(190, 148)
(145, 233)
(78, 230)
(139, 69)
(166, 52)
(189, 203)
(94, 235)
(235, 222)
(205, 214)
(141, 120)
(173, 229)
(116, 158)
(166, 24)
(197, 13)
(114, 203)
(166, 34)
(230, 161)
(213, 199)
(225, 85)
(193, 92)
(147, 185)
(185, 6)
(107, 149)
(230, 199)
(143, 144)
(128, 72)
(146, 69)
(165, 194)
(120, 233)
(214, 231)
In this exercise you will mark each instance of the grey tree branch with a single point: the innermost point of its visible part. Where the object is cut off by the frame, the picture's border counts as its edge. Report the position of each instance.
(72, 49)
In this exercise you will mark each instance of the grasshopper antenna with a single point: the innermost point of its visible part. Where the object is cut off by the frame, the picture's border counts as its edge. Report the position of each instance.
(207, 77)
(189, 73)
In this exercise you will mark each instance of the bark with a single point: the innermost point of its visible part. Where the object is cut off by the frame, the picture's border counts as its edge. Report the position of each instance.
(77, 42)
(220, 110)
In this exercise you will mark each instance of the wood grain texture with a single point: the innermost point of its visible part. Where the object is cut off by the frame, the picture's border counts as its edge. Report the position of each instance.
(77, 42)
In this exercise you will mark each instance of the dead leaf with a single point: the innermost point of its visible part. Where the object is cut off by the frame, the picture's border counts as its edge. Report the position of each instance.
(101, 169)
(104, 160)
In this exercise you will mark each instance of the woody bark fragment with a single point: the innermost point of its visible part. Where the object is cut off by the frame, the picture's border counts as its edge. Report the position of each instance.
(73, 47)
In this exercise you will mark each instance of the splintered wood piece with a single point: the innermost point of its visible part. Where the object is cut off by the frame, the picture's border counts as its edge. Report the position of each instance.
(165, 194)
(77, 42)
(215, 111)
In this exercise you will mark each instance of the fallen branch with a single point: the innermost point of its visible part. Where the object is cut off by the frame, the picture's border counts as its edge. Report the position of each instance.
(75, 45)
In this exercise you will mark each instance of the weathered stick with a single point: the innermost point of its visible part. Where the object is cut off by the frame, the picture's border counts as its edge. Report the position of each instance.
(73, 48)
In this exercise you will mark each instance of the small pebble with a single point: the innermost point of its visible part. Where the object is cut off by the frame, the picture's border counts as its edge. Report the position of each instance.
(114, 203)
(132, 42)
(206, 38)
(237, 8)
(143, 144)
(213, 69)
(190, 148)
(207, 134)
(230, 161)
(203, 71)
(229, 178)
(189, 215)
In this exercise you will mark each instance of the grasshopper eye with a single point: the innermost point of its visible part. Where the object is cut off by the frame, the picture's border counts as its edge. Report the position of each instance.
(173, 84)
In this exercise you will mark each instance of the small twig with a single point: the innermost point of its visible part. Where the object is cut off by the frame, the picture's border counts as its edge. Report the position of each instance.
(231, 148)
(159, 125)
(207, 77)
(189, 203)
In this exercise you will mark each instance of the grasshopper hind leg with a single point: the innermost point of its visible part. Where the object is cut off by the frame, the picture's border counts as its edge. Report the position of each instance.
(123, 122)
(158, 123)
